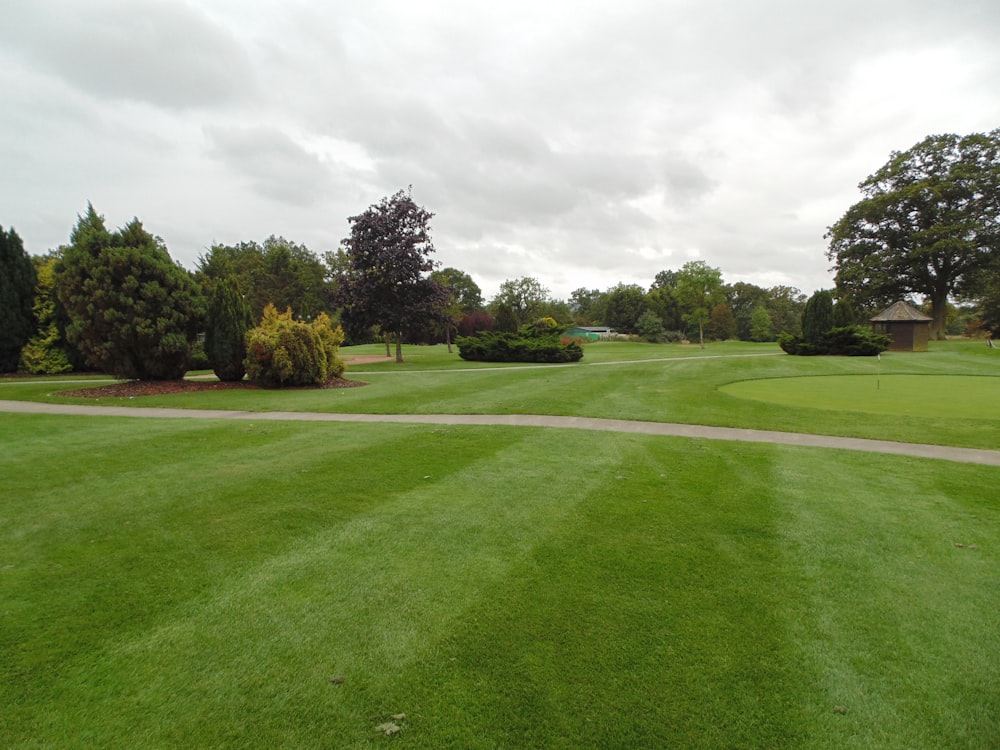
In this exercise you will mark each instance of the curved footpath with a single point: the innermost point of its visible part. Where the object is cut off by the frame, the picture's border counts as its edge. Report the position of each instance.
(920, 450)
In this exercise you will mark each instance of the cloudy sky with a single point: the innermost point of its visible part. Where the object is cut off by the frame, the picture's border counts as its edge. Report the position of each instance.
(580, 142)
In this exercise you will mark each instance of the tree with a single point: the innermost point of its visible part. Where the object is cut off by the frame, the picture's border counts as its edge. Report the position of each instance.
(817, 318)
(721, 322)
(132, 311)
(229, 319)
(785, 304)
(46, 351)
(385, 285)
(699, 287)
(17, 296)
(745, 299)
(468, 295)
(517, 303)
(278, 272)
(929, 224)
(464, 298)
(650, 327)
(624, 305)
(760, 325)
(587, 306)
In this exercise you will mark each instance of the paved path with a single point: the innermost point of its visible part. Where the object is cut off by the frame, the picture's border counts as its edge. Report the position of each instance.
(942, 452)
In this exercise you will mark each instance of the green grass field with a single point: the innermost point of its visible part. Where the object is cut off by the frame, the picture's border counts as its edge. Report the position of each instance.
(166, 583)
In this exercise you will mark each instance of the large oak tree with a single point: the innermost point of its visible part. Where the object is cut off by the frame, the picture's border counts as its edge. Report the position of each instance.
(929, 224)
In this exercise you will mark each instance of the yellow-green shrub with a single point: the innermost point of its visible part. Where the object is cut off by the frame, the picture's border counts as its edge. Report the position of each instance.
(285, 352)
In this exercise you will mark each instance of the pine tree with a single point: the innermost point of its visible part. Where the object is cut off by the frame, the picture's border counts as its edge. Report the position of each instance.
(229, 319)
(17, 296)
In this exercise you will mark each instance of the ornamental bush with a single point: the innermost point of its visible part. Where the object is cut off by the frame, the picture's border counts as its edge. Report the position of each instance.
(850, 341)
(283, 352)
(538, 342)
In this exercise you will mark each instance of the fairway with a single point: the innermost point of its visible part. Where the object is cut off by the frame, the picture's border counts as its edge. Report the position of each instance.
(270, 581)
(956, 396)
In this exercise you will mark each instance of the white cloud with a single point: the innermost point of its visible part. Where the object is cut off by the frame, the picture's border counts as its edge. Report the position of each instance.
(582, 143)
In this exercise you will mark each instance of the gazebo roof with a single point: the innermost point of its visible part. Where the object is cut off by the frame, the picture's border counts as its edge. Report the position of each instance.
(900, 311)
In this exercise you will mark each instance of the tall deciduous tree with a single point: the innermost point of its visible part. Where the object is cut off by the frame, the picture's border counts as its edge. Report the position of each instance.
(386, 284)
(699, 288)
(624, 305)
(278, 272)
(929, 224)
(518, 302)
(17, 295)
(133, 312)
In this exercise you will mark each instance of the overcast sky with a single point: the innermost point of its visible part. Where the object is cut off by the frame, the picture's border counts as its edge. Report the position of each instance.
(581, 143)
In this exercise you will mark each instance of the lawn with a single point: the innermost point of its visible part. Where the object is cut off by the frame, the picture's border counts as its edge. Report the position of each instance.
(166, 583)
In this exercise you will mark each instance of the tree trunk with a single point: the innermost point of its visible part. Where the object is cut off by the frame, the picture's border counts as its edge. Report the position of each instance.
(387, 352)
(447, 336)
(701, 335)
(939, 311)
(399, 348)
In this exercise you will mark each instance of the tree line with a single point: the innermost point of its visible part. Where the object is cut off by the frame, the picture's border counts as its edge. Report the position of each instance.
(114, 300)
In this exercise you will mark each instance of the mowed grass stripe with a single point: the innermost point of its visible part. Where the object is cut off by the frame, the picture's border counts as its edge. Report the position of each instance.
(361, 597)
(899, 603)
(651, 619)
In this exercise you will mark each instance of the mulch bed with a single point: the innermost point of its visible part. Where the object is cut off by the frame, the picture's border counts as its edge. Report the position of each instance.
(134, 388)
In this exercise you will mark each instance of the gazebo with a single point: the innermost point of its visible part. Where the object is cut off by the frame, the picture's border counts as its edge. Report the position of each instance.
(909, 329)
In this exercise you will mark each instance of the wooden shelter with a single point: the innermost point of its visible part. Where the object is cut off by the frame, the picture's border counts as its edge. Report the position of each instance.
(909, 329)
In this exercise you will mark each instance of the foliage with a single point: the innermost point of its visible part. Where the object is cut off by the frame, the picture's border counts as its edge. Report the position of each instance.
(475, 322)
(650, 327)
(285, 352)
(587, 305)
(229, 319)
(760, 325)
(133, 312)
(851, 341)
(785, 304)
(46, 351)
(721, 322)
(467, 294)
(817, 317)
(699, 288)
(17, 295)
(843, 313)
(517, 302)
(279, 272)
(929, 224)
(624, 304)
(385, 285)
(538, 342)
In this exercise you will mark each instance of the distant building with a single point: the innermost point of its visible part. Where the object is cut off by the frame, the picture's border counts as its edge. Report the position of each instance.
(909, 329)
(591, 333)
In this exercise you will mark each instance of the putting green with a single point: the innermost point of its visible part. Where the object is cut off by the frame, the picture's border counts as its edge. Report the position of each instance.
(954, 396)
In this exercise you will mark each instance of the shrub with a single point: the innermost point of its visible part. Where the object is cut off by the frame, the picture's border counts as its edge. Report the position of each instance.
(539, 342)
(650, 327)
(850, 341)
(855, 341)
(284, 352)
